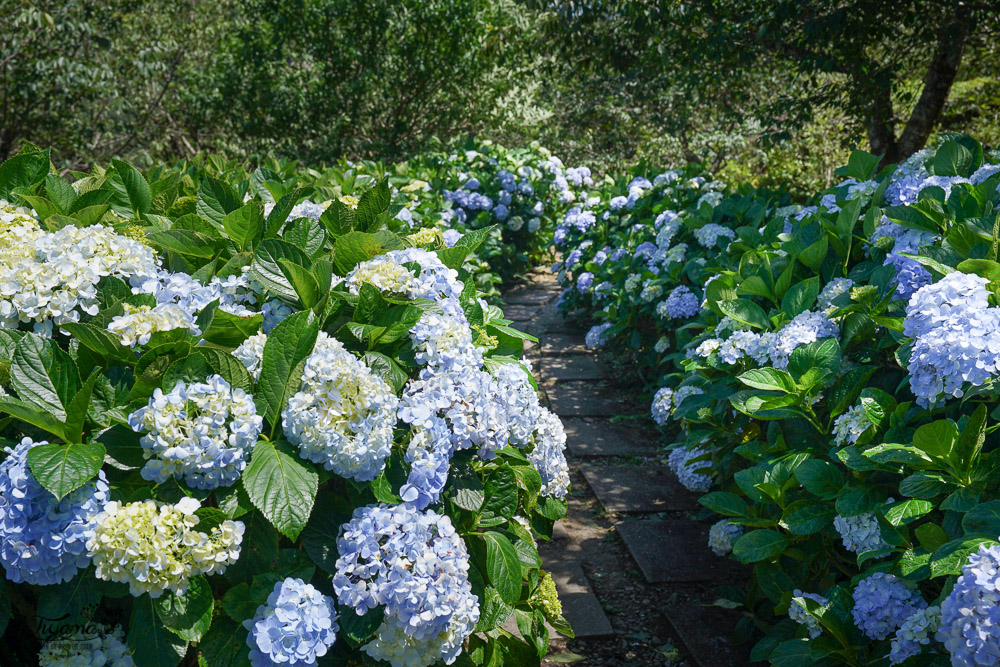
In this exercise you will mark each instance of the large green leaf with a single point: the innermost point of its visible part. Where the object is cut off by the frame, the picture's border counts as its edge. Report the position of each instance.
(770, 379)
(503, 566)
(281, 485)
(149, 641)
(137, 191)
(372, 205)
(216, 199)
(953, 159)
(760, 545)
(267, 268)
(245, 225)
(281, 366)
(746, 312)
(62, 469)
(190, 615)
(24, 170)
(355, 247)
(44, 375)
(225, 644)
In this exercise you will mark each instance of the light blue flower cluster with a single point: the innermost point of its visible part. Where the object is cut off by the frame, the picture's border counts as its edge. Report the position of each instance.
(860, 533)
(443, 341)
(681, 462)
(742, 344)
(43, 541)
(274, 312)
(831, 291)
(708, 235)
(596, 337)
(970, 615)
(549, 454)
(681, 303)
(429, 455)
(910, 274)
(296, 626)
(882, 602)
(806, 327)
(956, 337)
(721, 536)
(915, 633)
(520, 399)
(848, 427)
(584, 282)
(234, 292)
(201, 433)
(663, 405)
(798, 613)
(415, 565)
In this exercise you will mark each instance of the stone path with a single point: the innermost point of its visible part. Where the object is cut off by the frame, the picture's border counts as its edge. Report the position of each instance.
(631, 562)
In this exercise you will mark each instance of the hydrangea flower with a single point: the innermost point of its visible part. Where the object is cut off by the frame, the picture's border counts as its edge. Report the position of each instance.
(201, 433)
(389, 274)
(806, 327)
(154, 548)
(650, 292)
(663, 405)
(662, 345)
(970, 615)
(742, 344)
(848, 427)
(43, 541)
(681, 303)
(914, 633)
(882, 602)
(681, 463)
(549, 454)
(342, 416)
(584, 282)
(797, 612)
(416, 565)
(296, 626)
(708, 235)
(707, 347)
(520, 399)
(139, 323)
(721, 536)
(104, 647)
(274, 312)
(429, 455)
(910, 274)
(251, 353)
(595, 337)
(424, 237)
(443, 341)
(684, 392)
(234, 292)
(831, 291)
(860, 533)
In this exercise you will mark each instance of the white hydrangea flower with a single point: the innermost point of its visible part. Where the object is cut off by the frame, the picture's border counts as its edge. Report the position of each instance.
(201, 432)
(707, 347)
(444, 340)
(860, 533)
(425, 236)
(251, 353)
(154, 548)
(343, 414)
(389, 274)
(662, 345)
(139, 323)
(848, 427)
(97, 646)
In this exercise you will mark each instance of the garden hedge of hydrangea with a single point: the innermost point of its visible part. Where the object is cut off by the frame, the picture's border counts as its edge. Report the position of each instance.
(266, 417)
(829, 374)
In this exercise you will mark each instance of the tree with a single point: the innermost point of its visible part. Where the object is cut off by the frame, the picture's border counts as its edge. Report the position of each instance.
(859, 54)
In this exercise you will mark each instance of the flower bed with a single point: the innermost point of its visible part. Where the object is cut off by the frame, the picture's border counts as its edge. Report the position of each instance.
(247, 428)
(832, 369)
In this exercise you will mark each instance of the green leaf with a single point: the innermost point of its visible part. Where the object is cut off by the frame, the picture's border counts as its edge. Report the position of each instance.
(805, 517)
(185, 242)
(267, 269)
(216, 199)
(302, 281)
(821, 478)
(386, 368)
(760, 545)
(770, 379)
(937, 439)
(62, 469)
(355, 247)
(908, 511)
(971, 440)
(983, 518)
(814, 255)
(746, 312)
(501, 497)
(281, 365)
(950, 558)
(24, 170)
(338, 218)
(245, 225)
(99, 340)
(860, 166)
(281, 485)
(800, 297)
(358, 629)
(140, 197)
(503, 566)
(35, 416)
(149, 641)
(190, 615)
(372, 205)
(726, 504)
(822, 355)
(953, 159)
(475, 238)
(69, 603)
(43, 374)
(225, 644)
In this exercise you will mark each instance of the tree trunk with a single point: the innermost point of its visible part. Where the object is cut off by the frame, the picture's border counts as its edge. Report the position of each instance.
(940, 76)
(880, 121)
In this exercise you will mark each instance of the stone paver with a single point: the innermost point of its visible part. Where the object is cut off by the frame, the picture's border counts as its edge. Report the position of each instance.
(599, 437)
(707, 633)
(638, 489)
(520, 312)
(530, 297)
(585, 399)
(580, 606)
(578, 367)
(673, 550)
(558, 344)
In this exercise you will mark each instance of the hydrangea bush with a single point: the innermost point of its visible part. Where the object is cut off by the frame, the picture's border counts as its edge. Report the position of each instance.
(834, 390)
(243, 427)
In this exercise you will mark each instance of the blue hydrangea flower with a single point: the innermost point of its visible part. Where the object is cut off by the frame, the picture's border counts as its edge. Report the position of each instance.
(970, 615)
(43, 541)
(296, 626)
(915, 632)
(910, 274)
(584, 282)
(882, 602)
(681, 303)
(596, 338)
(618, 203)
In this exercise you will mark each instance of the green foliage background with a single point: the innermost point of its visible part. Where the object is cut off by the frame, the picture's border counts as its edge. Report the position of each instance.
(767, 94)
